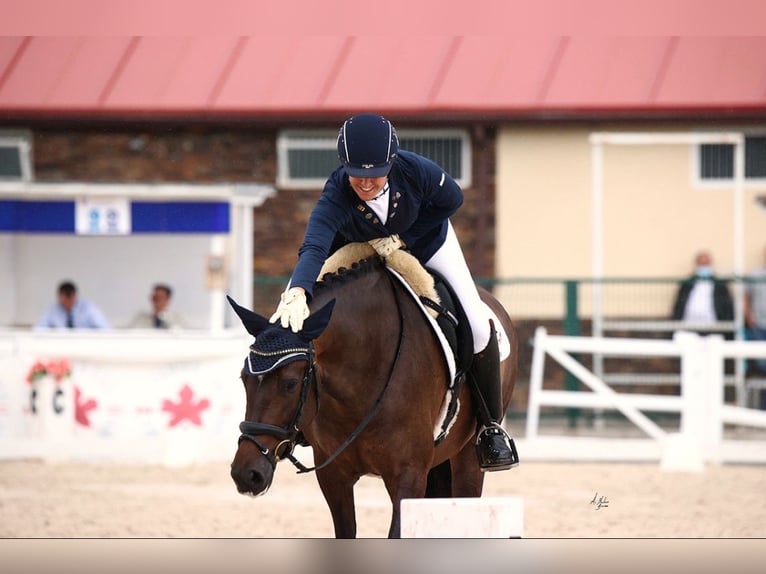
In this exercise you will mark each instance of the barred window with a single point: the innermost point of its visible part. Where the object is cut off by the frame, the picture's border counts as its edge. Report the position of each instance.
(306, 158)
(15, 163)
(755, 157)
(716, 161)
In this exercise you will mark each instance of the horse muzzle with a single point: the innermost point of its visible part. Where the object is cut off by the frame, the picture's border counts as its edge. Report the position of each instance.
(251, 471)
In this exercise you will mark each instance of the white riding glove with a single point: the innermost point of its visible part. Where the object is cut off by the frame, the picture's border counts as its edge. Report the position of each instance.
(385, 246)
(292, 309)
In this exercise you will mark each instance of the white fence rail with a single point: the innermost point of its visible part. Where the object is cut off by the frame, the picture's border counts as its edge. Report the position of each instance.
(701, 407)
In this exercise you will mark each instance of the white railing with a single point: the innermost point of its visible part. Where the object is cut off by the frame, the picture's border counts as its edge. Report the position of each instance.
(700, 403)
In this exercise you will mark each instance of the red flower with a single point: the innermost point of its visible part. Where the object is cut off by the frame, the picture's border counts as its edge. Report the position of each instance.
(58, 369)
(36, 372)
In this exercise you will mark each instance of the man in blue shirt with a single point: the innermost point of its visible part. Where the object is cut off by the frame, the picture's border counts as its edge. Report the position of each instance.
(71, 312)
(393, 198)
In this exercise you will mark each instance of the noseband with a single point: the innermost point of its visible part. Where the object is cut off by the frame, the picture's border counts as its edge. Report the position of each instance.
(289, 436)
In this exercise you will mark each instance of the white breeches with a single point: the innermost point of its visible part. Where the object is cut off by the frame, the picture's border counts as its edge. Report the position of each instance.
(449, 261)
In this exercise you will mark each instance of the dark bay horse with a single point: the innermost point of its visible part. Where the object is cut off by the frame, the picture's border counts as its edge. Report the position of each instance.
(364, 387)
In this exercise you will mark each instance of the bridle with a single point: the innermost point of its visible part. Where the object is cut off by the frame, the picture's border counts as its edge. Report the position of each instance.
(289, 435)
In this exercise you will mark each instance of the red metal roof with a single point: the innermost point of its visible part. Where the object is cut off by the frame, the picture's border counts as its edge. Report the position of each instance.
(274, 76)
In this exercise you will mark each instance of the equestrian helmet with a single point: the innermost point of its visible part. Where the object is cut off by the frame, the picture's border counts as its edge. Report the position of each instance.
(367, 145)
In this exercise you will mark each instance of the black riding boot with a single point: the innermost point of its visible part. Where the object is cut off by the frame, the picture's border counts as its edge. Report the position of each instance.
(495, 449)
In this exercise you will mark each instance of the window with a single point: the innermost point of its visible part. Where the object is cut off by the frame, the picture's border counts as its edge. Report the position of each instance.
(306, 158)
(755, 157)
(716, 161)
(15, 157)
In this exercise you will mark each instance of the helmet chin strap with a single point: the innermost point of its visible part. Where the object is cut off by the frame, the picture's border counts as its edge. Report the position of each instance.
(381, 194)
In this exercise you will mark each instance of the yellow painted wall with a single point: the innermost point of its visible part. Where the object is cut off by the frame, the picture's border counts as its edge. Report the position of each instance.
(655, 216)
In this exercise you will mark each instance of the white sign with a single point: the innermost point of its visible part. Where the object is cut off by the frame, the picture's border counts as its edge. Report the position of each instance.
(102, 216)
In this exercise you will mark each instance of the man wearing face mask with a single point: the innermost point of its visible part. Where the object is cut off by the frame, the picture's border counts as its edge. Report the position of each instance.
(702, 298)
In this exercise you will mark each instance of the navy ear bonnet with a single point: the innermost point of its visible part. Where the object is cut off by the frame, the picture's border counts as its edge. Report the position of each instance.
(275, 345)
(275, 348)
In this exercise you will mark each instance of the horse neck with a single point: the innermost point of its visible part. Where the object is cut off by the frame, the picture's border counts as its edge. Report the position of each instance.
(364, 326)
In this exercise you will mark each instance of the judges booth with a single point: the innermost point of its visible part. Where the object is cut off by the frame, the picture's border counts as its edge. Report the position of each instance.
(123, 394)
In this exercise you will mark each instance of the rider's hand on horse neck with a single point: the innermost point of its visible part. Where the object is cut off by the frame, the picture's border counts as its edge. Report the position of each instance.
(385, 246)
(292, 309)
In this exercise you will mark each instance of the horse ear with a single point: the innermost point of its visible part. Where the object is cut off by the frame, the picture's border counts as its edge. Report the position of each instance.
(253, 322)
(316, 323)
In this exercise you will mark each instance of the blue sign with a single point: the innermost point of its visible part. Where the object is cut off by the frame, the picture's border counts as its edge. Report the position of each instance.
(21, 216)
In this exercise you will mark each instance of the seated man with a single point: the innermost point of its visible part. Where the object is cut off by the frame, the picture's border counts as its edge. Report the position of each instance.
(72, 312)
(703, 298)
(160, 317)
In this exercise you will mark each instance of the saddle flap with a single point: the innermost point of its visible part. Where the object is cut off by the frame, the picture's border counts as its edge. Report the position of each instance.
(460, 336)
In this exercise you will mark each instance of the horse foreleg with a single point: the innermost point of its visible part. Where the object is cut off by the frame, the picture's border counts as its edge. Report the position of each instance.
(440, 481)
(467, 477)
(410, 484)
(338, 491)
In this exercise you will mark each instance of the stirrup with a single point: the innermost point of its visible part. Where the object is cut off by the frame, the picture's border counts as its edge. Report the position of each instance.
(495, 449)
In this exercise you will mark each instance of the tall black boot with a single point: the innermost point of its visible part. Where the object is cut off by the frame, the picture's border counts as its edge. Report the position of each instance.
(495, 449)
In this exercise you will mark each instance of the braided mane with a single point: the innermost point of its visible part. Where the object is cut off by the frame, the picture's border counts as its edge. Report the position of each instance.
(357, 259)
(343, 275)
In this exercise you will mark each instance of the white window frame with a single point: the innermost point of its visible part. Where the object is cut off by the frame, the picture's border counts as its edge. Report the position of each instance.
(327, 139)
(23, 142)
(723, 183)
(301, 139)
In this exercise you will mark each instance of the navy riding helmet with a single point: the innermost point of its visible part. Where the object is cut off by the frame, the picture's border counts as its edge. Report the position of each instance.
(367, 145)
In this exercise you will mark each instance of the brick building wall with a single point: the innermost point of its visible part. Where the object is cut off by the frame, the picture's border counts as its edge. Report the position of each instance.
(215, 155)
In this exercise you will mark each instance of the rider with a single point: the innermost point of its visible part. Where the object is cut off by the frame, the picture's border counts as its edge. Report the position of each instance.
(392, 199)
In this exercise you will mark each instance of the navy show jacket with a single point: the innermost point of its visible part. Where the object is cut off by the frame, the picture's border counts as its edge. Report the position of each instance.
(421, 199)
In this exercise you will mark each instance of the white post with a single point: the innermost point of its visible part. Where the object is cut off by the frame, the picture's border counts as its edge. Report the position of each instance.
(243, 279)
(683, 451)
(714, 371)
(536, 383)
(597, 214)
(739, 293)
(217, 278)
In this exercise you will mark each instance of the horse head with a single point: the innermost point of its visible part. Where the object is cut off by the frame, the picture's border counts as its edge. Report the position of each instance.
(277, 375)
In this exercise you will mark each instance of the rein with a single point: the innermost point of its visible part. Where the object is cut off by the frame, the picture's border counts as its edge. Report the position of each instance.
(289, 435)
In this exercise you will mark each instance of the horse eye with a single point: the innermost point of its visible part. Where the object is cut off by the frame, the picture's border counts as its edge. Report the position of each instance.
(289, 384)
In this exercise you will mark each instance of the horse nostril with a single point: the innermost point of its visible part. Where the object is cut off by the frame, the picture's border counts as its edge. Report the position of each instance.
(250, 480)
(257, 481)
